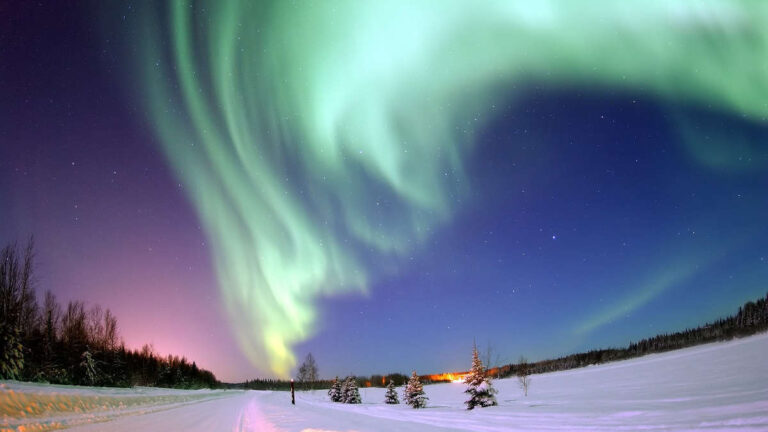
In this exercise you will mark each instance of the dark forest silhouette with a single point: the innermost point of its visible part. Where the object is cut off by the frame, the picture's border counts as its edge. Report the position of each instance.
(74, 344)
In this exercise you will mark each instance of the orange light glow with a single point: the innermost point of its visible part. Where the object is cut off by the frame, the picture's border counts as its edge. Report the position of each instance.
(455, 377)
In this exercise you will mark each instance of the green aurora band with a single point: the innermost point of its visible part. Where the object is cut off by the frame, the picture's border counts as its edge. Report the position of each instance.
(314, 135)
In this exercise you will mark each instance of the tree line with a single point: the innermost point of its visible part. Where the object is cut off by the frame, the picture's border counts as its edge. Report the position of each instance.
(282, 384)
(74, 344)
(751, 318)
(307, 378)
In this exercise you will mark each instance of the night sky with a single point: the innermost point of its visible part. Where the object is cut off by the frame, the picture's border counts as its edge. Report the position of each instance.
(382, 185)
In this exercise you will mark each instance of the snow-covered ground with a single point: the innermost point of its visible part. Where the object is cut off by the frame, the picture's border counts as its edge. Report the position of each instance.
(721, 386)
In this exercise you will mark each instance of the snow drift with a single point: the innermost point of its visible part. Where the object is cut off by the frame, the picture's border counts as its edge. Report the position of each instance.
(721, 386)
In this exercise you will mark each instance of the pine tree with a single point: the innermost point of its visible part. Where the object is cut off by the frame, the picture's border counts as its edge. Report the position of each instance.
(17, 304)
(350, 393)
(343, 390)
(391, 396)
(91, 374)
(414, 392)
(335, 392)
(11, 351)
(479, 385)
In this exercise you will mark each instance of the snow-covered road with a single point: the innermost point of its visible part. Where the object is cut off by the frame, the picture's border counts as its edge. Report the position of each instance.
(721, 386)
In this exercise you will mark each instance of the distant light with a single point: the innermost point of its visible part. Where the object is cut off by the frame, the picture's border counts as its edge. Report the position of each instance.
(554, 237)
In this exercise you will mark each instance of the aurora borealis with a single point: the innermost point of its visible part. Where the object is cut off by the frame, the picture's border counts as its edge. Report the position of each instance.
(351, 154)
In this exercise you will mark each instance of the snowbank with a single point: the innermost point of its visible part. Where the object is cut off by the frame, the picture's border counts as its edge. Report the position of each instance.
(722, 386)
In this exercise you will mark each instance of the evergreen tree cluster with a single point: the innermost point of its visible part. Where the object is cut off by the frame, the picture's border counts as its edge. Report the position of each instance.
(74, 345)
(346, 392)
(269, 384)
(350, 394)
(279, 384)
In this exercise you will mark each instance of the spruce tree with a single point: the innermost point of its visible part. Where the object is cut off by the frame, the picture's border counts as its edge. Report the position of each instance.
(11, 351)
(415, 395)
(479, 385)
(334, 392)
(351, 394)
(343, 390)
(91, 374)
(391, 396)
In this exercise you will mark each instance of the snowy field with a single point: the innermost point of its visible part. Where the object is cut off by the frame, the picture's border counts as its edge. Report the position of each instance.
(721, 386)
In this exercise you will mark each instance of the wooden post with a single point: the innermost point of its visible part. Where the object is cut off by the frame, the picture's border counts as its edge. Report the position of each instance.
(293, 398)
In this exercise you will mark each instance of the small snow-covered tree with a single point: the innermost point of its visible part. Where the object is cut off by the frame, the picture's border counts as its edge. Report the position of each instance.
(334, 393)
(350, 393)
(343, 390)
(479, 387)
(91, 373)
(414, 392)
(390, 397)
